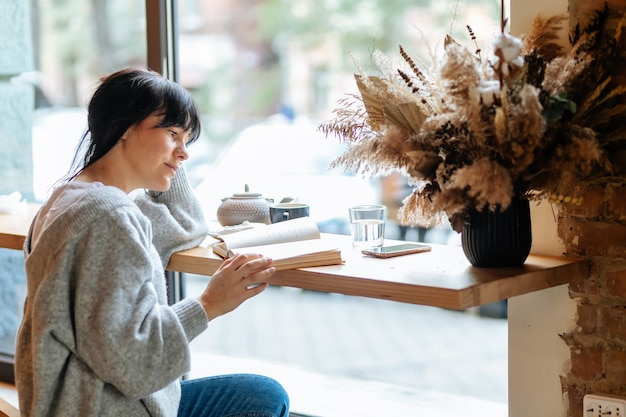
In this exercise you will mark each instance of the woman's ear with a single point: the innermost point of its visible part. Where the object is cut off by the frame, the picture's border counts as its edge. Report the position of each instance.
(128, 132)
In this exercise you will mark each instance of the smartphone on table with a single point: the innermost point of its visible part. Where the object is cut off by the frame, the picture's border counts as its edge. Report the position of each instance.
(396, 250)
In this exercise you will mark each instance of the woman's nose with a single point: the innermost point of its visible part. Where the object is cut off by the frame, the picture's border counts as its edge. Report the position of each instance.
(183, 155)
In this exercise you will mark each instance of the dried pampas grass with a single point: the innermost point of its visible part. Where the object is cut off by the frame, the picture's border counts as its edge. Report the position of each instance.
(469, 133)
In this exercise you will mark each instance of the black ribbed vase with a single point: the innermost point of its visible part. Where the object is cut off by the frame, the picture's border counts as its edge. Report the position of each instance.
(498, 239)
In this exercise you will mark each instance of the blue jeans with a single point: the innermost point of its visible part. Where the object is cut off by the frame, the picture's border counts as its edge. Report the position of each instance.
(236, 395)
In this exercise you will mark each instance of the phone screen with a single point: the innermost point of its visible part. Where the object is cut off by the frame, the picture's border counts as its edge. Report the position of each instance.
(399, 248)
(396, 250)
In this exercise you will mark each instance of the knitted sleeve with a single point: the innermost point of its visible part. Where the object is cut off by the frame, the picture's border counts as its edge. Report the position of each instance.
(176, 215)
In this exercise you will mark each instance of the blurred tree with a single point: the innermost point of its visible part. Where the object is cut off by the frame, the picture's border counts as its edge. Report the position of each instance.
(333, 36)
(354, 25)
(77, 41)
(104, 59)
(359, 27)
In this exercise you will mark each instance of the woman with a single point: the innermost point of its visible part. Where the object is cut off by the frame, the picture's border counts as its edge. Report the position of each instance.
(98, 338)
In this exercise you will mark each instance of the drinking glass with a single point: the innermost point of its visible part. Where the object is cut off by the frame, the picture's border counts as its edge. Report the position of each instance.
(367, 224)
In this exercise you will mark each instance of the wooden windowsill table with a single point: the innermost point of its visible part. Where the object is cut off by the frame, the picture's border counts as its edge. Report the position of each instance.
(442, 277)
(14, 226)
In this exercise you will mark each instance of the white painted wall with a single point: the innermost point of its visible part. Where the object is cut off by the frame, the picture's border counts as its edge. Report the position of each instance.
(537, 356)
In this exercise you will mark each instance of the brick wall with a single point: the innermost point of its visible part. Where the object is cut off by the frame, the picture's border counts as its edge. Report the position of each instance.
(597, 230)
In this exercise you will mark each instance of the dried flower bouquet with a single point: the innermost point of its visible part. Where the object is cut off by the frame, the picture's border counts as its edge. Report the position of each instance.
(532, 121)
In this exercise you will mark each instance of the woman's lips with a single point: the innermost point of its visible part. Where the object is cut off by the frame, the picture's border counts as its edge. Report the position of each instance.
(173, 168)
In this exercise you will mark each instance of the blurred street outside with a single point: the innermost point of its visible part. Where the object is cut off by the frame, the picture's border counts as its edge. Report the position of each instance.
(419, 348)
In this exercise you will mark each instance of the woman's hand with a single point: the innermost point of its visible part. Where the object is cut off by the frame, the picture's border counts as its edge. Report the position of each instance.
(237, 279)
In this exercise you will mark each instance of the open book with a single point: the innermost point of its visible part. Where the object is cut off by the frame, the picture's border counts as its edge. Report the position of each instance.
(291, 244)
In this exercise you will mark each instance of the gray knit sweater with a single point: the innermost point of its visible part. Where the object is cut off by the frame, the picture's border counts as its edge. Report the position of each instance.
(97, 337)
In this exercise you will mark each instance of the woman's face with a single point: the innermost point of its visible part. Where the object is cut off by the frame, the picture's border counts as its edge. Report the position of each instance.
(154, 153)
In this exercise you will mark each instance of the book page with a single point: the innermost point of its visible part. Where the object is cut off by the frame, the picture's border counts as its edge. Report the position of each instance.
(303, 228)
(292, 250)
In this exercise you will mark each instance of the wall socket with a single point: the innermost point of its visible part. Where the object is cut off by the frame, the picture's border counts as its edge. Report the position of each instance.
(603, 405)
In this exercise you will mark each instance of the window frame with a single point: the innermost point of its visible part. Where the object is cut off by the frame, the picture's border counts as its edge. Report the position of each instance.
(162, 37)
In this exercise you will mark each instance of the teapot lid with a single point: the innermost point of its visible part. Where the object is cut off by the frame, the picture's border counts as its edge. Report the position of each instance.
(246, 195)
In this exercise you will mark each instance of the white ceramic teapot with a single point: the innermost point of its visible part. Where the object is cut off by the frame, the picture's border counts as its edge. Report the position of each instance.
(241, 207)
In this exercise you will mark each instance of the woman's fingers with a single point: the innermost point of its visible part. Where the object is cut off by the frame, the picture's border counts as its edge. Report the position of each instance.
(256, 268)
(239, 278)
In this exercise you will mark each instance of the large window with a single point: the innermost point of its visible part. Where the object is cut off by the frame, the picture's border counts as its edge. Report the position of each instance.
(264, 73)
(267, 73)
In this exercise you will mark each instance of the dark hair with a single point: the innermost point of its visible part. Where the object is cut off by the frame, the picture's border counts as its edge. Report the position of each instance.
(124, 99)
